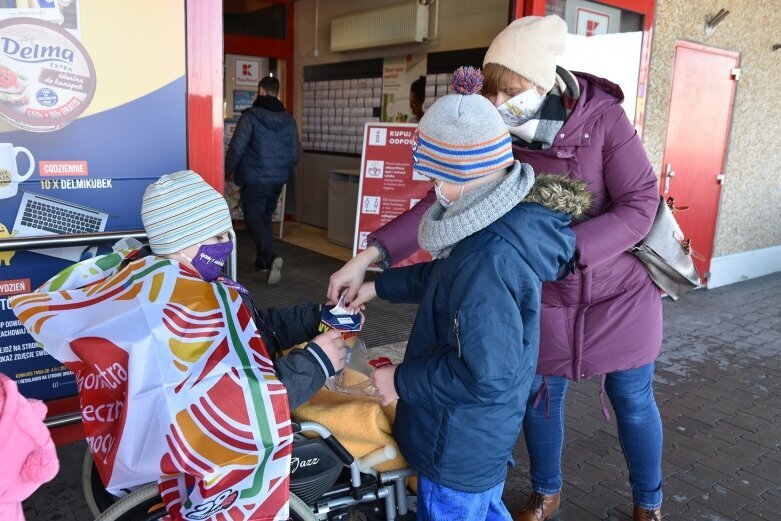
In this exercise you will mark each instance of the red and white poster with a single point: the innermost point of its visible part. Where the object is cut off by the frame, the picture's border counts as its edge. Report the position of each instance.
(388, 186)
(586, 18)
(247, 72)
(592, 23)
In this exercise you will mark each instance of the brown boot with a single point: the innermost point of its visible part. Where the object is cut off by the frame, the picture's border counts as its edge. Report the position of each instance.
(643, 514)
(539, 507)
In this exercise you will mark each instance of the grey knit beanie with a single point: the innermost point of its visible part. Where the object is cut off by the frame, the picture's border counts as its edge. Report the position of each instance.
(462, 136)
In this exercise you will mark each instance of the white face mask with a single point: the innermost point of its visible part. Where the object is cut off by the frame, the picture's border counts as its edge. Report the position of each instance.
(444, 201)
(523, 107)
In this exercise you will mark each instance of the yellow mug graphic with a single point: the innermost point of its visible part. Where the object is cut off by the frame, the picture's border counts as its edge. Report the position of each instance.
(9, 174)
(6, 256)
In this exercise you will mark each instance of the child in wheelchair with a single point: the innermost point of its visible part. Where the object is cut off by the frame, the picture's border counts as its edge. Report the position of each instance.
(190, 368)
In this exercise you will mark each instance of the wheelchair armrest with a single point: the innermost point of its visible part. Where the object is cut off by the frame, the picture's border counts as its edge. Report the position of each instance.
(342, 453)
(339, 450)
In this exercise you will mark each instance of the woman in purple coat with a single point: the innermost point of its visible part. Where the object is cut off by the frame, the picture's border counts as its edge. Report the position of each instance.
(606, 318)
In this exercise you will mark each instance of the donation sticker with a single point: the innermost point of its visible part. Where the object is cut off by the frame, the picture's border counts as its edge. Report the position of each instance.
(47, 79)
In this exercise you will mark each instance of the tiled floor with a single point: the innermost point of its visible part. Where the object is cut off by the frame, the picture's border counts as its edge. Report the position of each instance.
(717, 385)
(312, 238)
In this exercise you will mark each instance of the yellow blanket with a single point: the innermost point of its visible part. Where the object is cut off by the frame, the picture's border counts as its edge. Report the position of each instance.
(360, 423)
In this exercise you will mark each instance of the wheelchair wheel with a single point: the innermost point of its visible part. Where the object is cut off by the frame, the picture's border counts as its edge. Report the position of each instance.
(299, 511)
(97, 497)
(145, 504)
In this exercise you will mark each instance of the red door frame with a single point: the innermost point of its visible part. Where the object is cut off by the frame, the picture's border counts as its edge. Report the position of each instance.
(204, 137)
(521, 8)
(205, 90)
(270, 47)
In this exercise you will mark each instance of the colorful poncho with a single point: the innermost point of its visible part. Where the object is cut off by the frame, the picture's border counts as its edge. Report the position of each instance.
(175, 384)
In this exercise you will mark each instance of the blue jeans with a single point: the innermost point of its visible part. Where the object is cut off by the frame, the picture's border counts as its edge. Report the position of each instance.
(440, 503)
(639, 430)
(259, 202)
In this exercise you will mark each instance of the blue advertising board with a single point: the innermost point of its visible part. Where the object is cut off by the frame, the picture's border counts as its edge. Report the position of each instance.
(242, 100)
(90, 114)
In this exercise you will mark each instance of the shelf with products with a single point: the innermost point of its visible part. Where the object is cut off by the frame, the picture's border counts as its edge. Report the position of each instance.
(338, 100)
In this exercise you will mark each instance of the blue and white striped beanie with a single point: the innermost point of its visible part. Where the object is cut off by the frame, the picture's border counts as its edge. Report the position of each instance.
(462, 136)
(181, 210)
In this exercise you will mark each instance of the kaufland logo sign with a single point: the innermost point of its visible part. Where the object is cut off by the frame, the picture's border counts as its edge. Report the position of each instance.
(247, 72)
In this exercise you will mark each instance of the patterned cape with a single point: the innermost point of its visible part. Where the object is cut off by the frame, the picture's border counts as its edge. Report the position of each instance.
(174, 382)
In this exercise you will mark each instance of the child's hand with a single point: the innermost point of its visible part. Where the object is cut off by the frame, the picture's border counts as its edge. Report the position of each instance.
(332, 344)
(382, 380)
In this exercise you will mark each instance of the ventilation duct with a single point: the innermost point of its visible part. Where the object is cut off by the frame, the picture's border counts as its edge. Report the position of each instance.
(406, 22)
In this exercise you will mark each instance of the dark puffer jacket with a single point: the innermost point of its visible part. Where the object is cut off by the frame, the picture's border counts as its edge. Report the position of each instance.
(265, 147)
(301, 371)
(465, 378)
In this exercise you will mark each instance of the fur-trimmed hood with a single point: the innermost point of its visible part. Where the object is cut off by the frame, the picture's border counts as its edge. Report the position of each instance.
(561, 194)
(539, 227)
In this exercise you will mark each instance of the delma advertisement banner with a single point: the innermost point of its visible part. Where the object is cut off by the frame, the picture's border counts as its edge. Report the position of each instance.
(92, 110)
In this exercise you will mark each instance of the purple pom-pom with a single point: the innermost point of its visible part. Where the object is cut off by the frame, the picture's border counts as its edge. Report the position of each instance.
(467, 80)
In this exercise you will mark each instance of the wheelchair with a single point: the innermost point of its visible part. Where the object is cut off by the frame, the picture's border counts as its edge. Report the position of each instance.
(326, 483)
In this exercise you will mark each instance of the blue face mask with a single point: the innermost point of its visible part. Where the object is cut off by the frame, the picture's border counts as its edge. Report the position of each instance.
(210, 259)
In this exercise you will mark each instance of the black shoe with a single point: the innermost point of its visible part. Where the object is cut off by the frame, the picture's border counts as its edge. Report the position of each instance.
(275, 273)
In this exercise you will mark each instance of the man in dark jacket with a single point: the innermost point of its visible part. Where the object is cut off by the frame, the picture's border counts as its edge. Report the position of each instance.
(262, 155)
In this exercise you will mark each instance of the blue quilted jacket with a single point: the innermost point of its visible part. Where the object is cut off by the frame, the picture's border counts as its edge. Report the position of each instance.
(473, 348)
(265, 147)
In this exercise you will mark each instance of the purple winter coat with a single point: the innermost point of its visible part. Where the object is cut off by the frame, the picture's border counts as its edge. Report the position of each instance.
(607, 316)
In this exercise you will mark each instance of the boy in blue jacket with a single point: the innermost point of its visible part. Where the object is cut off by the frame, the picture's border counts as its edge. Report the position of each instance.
(495, 235)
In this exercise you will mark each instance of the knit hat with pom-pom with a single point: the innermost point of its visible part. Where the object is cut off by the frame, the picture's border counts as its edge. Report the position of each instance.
(462, 136)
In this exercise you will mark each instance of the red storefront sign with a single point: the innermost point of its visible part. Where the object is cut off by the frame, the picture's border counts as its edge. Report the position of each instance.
(388, 186)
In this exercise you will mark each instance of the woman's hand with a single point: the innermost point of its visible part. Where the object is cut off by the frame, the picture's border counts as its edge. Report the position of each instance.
(332, 344)
(383, 381)
(349, 278)
(365, 293)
